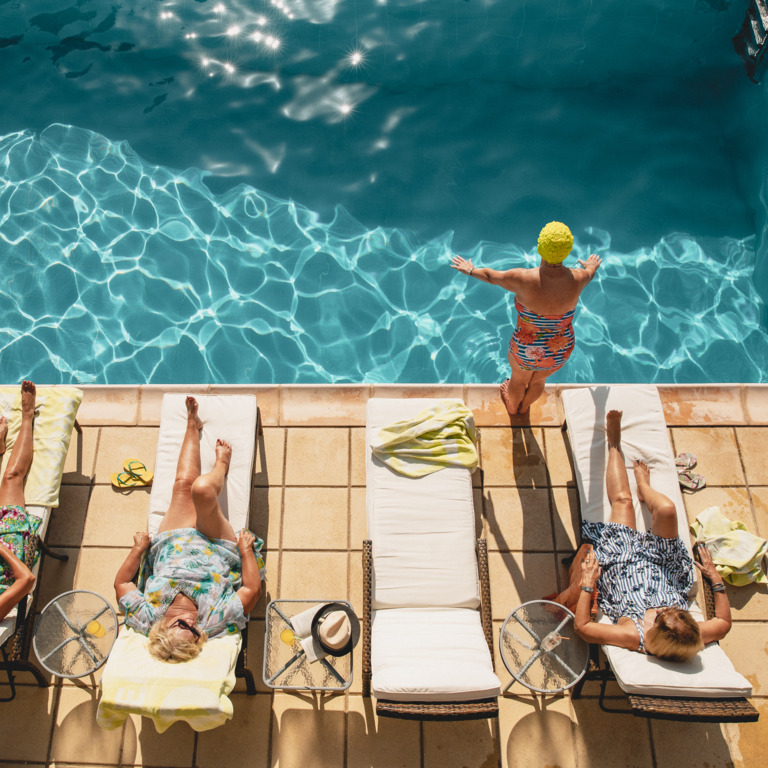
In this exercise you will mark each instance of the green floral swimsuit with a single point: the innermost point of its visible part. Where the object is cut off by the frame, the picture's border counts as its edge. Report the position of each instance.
(208, 571)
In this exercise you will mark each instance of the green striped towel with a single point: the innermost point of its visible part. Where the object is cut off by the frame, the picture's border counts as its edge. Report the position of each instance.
(737, 553)
(441, 436)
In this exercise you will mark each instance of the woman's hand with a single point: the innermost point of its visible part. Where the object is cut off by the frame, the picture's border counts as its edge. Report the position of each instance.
(141, 541)
(593, 262)
(706, 566)
(590, 570)
(245, 541)
(463, 265)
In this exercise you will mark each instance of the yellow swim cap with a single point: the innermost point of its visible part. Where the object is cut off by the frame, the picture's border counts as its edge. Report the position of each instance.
(555, 242)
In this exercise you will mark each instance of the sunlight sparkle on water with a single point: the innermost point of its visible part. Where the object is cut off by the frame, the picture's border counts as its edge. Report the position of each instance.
(234, 31)
(356, 58)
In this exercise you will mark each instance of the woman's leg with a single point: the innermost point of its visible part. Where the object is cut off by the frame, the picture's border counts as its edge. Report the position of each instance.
(513, 389)
(661, 507)
(616, 479)
(181, 511)
(534, 390)
(205, 495)
(12, 484)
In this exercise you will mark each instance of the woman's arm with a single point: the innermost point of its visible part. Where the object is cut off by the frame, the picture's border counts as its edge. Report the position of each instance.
(589, 267)
(250, 592)
(124, 579)
(24, 581)
(507, 279)
(623, 635)
(718, 627)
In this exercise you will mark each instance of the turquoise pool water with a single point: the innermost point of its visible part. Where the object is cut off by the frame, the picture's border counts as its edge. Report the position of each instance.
(270, 192)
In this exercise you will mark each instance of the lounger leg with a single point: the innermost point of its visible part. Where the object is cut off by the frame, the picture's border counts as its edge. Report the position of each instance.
(7, 666)
(50, 553)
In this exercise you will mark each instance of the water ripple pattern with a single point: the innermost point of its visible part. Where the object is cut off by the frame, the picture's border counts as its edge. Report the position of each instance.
(118, 271)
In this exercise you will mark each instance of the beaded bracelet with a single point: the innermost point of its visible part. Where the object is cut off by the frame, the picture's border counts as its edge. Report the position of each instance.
(718, 587)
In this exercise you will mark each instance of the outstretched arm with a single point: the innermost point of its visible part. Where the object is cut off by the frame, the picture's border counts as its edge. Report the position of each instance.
(250, 592)
(124, 579)
(717, 627)
(24, 581)
(506, 279)
(589, 267)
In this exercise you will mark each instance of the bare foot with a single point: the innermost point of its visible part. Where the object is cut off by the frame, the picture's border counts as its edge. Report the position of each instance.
(642, 476)
(613, 429)
(3, 433)
(224, 454)
(192, 416)
(504, 392)
(28, 393)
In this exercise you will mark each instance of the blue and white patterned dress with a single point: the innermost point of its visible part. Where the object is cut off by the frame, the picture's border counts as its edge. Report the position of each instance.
(639, 571)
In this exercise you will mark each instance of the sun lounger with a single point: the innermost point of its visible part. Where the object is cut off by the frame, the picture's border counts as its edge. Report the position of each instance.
(195, 691)
(427, 637)
(55, 418)
(707, 687)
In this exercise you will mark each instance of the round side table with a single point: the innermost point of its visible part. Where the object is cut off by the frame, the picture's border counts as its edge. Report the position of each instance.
(75, 633)
(540, 647)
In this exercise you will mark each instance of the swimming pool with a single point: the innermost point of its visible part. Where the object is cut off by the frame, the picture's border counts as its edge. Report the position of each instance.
(270, 191)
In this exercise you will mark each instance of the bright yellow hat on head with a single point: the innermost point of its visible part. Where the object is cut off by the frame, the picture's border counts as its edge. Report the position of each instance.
(555, 242)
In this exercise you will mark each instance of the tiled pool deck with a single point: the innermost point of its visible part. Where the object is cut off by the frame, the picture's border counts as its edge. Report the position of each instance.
(310, 509)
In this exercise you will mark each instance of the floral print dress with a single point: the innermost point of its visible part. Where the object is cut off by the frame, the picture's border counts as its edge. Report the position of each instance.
(17, 527)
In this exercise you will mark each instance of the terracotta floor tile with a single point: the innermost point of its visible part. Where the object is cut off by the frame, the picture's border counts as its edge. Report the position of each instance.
(97, 568)
(355, 594)
(760, 509)
(270, 457)
(114, 516)
(266, 515)
(315, 518)
(30, 715)
(81, 457)
(56, 577)
(485, 403)
(256, 628)
(519, 577)
(747, 647)
(243, 741)
(438, 391)
(380, 742)
(752, 442)
(557, 452)
(310, 575)
(749, 741)
(695, 745)
(67, 522)
(358, 456)
(565, 516)
(143, 745)
(690, 406)
(733, 503)
(513, 457)
(600, 746)
(109, 406)
(535, 732)
(756, 403)
(749, 603)
(77, 737)
(307, 735)
(459, 744)
(118, 444)
(317, 457)
(358, 524)
(518, 518)
(312, 406)
(718, 457)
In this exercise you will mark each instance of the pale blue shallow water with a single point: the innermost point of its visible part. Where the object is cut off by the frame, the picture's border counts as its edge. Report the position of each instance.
(163, 221)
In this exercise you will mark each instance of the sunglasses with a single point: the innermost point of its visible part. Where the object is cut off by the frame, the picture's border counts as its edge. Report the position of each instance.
(189, 627)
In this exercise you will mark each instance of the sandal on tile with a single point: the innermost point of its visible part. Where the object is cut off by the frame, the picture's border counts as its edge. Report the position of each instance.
(691, 481)
(139, 470)
(685, 461)
(126, 480)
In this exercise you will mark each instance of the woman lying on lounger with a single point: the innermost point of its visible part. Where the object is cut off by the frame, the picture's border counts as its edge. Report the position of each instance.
(195, 589)
(643, 579)
(16, 526)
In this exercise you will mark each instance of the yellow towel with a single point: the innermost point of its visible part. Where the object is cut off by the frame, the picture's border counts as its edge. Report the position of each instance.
(56, 409)
(196, 691)
(440, 436)
(737, 553)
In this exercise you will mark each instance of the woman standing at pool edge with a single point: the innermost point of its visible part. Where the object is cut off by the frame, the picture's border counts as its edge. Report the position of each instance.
(545, 299)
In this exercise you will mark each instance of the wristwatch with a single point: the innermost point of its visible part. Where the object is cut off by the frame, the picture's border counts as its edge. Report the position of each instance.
(587, 589)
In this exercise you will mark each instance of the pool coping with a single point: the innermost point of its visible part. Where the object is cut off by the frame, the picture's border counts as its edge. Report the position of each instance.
(343, 405)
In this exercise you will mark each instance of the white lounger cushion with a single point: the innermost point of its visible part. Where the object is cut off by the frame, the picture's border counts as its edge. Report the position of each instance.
(644, 436)
(430, 654)
(230, 417)
(423, 530)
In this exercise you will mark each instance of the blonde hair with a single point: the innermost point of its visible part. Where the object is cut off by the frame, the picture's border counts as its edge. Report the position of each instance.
(676, 636)
(170, 646)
